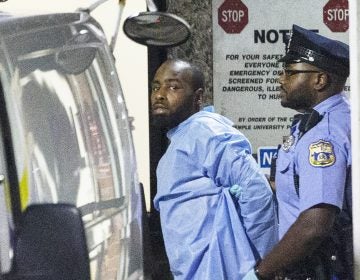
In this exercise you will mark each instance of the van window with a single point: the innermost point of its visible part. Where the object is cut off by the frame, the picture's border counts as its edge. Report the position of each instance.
(71, 135)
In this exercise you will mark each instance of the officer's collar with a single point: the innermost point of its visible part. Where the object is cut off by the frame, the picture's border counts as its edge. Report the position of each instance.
(329, 102)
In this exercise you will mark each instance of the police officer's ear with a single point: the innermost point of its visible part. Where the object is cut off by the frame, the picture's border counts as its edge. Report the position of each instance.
(323, 81)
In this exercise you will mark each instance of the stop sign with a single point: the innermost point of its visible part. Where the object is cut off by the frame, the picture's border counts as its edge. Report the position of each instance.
(233, 16)
(336, 15)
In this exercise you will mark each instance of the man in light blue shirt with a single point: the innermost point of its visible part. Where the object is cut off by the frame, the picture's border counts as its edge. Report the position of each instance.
(312, 169)
(208, 233)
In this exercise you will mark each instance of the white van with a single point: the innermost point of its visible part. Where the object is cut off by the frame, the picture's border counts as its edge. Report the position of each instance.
(70, 201)
(65, 150)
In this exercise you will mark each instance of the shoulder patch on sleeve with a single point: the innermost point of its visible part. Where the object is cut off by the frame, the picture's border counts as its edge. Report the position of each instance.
(321, 154)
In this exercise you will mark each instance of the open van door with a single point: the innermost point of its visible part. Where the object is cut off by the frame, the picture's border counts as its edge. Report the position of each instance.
(70, 201)
(67, 138)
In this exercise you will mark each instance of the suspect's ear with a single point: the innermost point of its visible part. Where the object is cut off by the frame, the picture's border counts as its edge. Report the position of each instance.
(199, 95)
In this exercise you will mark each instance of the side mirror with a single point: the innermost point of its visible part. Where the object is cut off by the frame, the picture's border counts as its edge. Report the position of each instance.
(75, 56)
(76, 60)
(158, 29)
(50, 244)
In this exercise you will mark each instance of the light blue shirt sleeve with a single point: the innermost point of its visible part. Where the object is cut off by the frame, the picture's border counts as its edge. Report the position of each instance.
(254, 200)
(231, 163)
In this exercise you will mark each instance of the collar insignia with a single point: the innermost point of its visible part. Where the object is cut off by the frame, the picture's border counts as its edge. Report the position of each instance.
(289, 141)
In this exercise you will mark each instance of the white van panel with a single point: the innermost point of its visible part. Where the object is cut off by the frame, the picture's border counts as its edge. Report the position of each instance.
(71, 136)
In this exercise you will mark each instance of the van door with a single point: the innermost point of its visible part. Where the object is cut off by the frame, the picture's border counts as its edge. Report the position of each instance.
(70, 133)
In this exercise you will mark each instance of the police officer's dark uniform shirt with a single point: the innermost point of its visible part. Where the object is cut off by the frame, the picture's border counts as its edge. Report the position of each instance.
(320, 158)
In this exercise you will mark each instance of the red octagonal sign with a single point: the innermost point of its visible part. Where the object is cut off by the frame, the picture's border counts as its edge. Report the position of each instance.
(336, 15)
(233, 16)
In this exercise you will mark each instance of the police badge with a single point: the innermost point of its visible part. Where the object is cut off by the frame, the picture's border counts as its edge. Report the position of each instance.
(321, 154)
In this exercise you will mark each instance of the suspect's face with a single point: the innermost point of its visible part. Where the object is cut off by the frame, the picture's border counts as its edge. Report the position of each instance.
(296, 84)
(172, 96)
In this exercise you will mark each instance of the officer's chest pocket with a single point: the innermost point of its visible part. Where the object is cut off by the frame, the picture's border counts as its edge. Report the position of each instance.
(285, 178)
(284, 166)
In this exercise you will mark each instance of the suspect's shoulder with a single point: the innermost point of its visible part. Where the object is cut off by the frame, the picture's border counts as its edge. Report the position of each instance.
(212, 121)
(215, 124)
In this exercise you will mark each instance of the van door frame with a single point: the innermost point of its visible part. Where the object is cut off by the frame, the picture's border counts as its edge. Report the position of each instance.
(9, 159)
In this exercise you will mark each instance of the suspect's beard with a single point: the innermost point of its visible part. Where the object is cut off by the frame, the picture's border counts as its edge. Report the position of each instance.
(169, 121)
(159, 121)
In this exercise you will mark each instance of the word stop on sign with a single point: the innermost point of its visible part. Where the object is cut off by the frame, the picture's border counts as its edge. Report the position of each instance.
(337, 14)
(232, 15)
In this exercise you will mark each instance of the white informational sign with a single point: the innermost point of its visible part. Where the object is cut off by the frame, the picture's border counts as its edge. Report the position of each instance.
(248, 39)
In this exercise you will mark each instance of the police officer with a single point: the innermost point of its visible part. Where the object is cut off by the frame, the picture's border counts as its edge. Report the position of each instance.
(313, 163)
